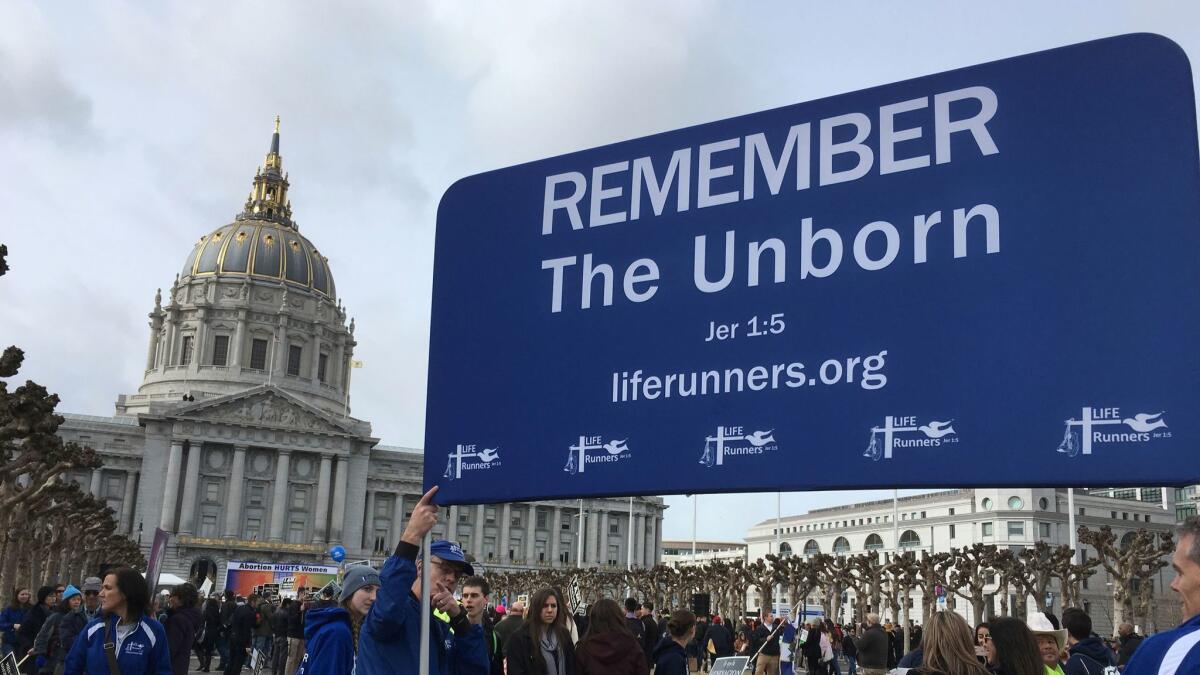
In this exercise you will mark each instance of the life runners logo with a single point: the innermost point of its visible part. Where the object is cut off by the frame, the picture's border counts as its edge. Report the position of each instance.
(594, 450)
(905, 432)
(485, 459)
(1081, 434)
(735, 442)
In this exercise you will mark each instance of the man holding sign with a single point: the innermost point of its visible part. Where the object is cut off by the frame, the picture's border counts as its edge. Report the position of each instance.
(390, 641)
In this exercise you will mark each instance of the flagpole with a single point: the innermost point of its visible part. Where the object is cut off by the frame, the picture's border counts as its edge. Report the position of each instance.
(695, 499)
(426, 609)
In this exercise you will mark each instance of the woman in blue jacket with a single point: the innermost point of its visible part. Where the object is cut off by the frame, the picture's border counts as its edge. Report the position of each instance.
(331, 633)
(10, 618)
(140, 641)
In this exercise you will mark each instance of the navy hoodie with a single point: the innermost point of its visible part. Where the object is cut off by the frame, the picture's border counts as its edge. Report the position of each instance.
(328, 644)
(670, 658)
(1089, 657)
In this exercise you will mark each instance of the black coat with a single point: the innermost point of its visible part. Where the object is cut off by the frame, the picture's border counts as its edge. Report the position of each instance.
(848, 646)
(721, 639)
(212, 622)
(873, 648)
(520, 650)
(32, 624)
(295, 625)
(279, 622)
(670, 658)
(242, 629)
(1129, 644)
(181, 627)
(652, 635)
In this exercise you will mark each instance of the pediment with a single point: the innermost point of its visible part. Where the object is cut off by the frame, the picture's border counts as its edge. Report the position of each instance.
(266, 408)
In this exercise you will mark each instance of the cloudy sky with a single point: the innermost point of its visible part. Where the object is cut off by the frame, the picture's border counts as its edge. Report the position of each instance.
(128, 130)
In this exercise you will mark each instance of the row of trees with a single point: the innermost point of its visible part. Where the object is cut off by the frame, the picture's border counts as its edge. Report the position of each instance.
(881, 583)
(50, 530)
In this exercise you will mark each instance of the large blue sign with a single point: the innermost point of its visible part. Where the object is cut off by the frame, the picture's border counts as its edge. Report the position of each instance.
(985, 277)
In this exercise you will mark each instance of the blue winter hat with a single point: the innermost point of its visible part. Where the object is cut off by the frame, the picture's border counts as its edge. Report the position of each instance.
(70, 592)
(452, 553)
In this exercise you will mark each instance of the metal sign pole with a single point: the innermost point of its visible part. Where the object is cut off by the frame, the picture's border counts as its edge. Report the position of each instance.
(426, 610)
(1072, 535)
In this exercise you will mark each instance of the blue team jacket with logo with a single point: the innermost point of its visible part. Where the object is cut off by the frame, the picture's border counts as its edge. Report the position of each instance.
(1174, 652)
(390, 638)
(144, 651)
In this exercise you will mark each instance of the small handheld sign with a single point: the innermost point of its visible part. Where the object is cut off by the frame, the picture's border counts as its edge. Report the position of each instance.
(729, 665)
(9, 665)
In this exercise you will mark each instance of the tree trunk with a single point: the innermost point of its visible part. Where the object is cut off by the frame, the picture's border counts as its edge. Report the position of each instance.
(977, 607)
(1118, 606)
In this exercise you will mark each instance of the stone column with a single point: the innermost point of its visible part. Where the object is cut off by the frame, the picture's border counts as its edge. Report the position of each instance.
(602, 549)
(594, 538)
(94, 488)
(279, 498)
(171, 487)
(656, 541)
(650, 523)
(281, 346)
(191, 480)
(505, 532)
(531, 536)
(339, 500)
(239, 337)
(321, 533)
(168, 353)
(397, 521)
(334, 373)
(556, 537)
(639, 540)
(126, 525)
(478, 530)
(200, 346)
(368, 538)
(233, 493)
(452, 526)
(315, 362)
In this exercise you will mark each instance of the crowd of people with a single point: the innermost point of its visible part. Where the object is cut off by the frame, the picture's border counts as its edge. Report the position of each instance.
(371, 623)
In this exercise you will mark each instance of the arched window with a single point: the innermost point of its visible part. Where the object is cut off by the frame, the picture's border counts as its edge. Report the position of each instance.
(910, 539)
(785, 549)
(841, 546)
(812, 547)
(874, 543)
(1127, 540)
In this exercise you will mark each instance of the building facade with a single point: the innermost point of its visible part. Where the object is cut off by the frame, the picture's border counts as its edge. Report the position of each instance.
(240, 442)
(678, 553)
(937, 522)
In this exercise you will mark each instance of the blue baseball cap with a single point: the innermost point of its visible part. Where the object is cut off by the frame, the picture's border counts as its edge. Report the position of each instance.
(451, 552)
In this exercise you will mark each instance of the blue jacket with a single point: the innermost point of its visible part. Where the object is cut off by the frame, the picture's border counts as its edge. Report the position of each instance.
(144, 651)
(8, 617)
(390, 638)
(328, 644)
(1177, 647)
(1089, 657)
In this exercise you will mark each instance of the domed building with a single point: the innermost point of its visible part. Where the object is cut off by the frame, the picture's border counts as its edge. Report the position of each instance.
(239, 443)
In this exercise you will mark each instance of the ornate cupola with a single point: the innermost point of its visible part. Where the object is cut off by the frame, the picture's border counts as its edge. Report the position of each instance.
(254, 305)
(268, 198)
